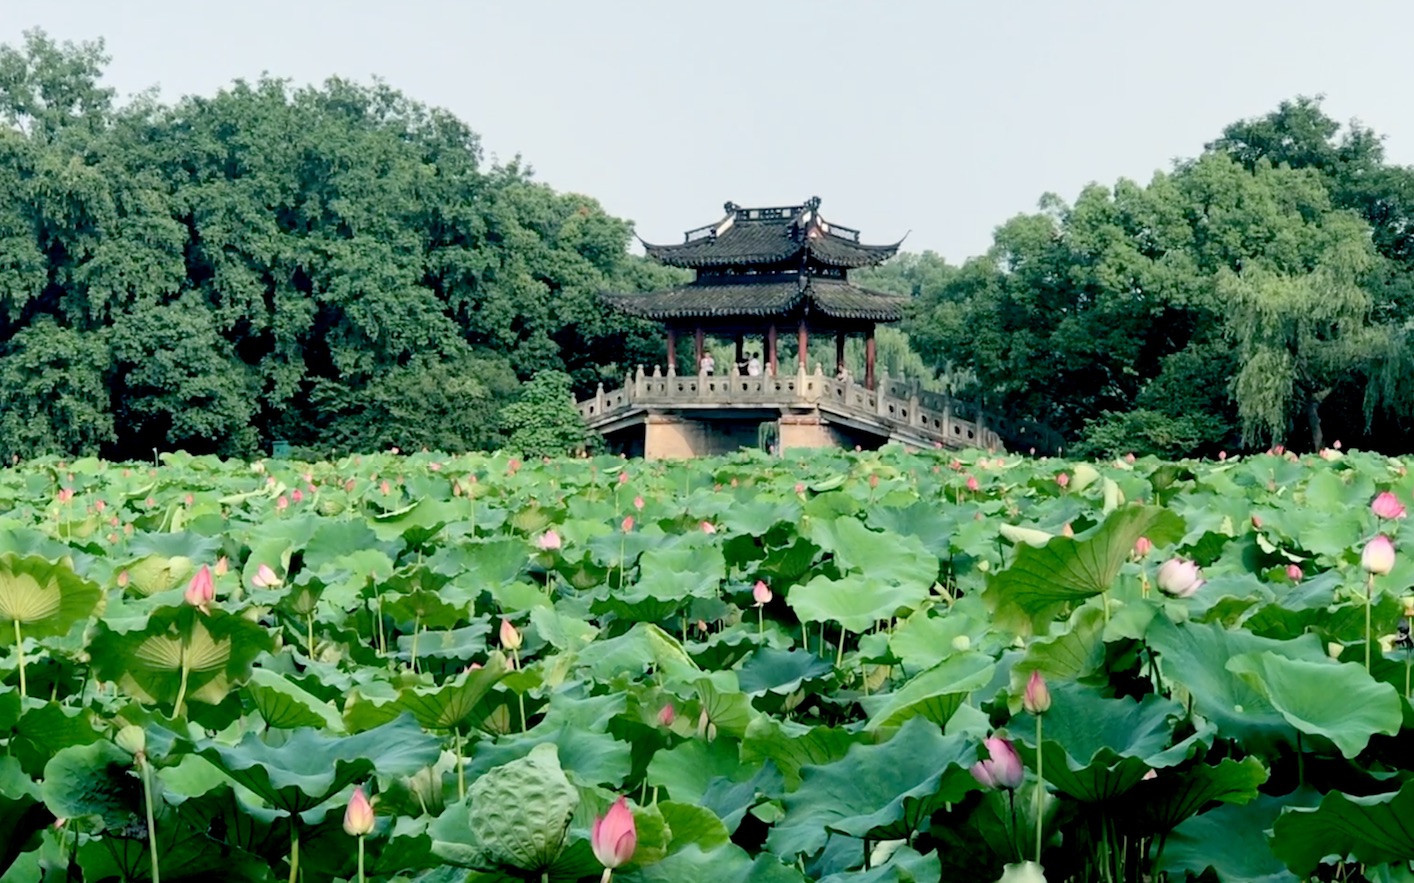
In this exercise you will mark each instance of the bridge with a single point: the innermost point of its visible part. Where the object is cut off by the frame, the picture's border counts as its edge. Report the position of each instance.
(696, 415)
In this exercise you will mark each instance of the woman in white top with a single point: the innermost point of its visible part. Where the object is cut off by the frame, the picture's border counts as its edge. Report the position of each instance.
(753, 366)
(708, 365)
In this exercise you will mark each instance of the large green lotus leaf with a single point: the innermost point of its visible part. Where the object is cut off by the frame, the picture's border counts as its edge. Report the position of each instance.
(692, 825)
(1068, 656)
(877, 791)
(1194, 656)
(423, 610)
(459, 704)
(152, 574)
(93, 780)
(885, 558)
(687, 769)
(46, 727)
(422, 519)
(1177, 795)
(1042, 582)
(284, 705)
(308, 766)
(521, 810)
(484, 563)
(23, 814)
(619, 548)
(774, 670)
(593, 758)
(1230, 839)
(1339, 701)
(905, 865)
(213, 651)
(1098, 748)
(934, 694)
(930, 635)
(757, 517)
(562, 631)
(459, 645)
(728, 709)
(1320, 533)
(41, 598)
(333, 541)
(932, 524)
(453, 840)
(856, 601)
(725, 864)
(1374, 830)
(792, 746)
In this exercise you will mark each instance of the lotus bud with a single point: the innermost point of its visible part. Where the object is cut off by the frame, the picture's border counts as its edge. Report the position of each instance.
(800, 487)
(1063, 479)
(297, 495)
(510, 635)
(1387, 506)
(132, 739)
(1143, 546)
(623, 478)
(223, 564)
(1002, 768)
(201, 591)
(873, 481)
(1067, 530)
(384, 488)
(358, 817)
(666, 715)
(1293, 573)
(638, 503)
(705, 728)
(613, 836)
(122, 579)
(1037, 698)
(1378, 556)
(1180, 578)
(708, 527)
(761, 593)
(628, 523)
(702, 626)
(548, 541)
(972, 483)
(265, 578)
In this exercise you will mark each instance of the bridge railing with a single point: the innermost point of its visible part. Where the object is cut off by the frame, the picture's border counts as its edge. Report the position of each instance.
(895, 403)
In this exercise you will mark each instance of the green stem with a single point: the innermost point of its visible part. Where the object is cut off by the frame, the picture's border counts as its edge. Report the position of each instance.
(309, 633)
(182, 687)
(608, 873)
(1040, 786)
(151, 820)
(382, 638)
(20, 649)
(360, 859)
(520, 697)
(760, 620)
(839, 650)
(1369, 602)
(294, 849)
(1407, 663)
(416, 633)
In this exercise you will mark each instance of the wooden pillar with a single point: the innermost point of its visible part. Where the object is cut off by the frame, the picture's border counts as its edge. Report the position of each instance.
(697, 347)
(802, 341)
(740, 352)
(672, 350)
(771, 347)
(869, 358)
(839, 351)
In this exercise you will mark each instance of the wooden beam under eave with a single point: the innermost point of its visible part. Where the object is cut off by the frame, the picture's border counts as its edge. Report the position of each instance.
(869, 357)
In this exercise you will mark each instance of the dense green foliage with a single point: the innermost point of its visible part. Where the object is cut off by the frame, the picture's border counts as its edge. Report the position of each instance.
(494, 650)
(1260, 293)
(335, 266)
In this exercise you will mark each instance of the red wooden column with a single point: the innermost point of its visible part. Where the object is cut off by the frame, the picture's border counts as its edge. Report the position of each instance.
(839, 350)
(771, 347)
(740, 354)
(672, 350)
(697, 347)
(802, 340)
(869, 358)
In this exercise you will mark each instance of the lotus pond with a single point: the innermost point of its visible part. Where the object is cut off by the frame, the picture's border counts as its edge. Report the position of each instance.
(808, 668)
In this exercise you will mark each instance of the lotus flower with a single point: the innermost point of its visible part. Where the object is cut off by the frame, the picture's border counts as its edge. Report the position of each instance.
(1037, 698)
(1063, 479)
(358, 817)
(297, 495)
(628, 523)
(761, 593)
(800, 487)
(972, 483)
(1180, 578)
(264, 578)
(223, 564)
(614, 837)
(1294, 573)
(548, 541)
(623, 478)
(1143, 546)
(666, 715)
(1378, 556)
(1002, 769)
(709, 527)
(638, 503)
(1387, 506)
(510, 635)
(201, 591)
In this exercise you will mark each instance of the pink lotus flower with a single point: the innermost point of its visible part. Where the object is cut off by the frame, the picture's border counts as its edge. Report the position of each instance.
(1387, 506)
(628, 523)
(99, 505)
(761, 593)
(358, 817)
(1378, 556)
(122, 579)
(638, 503)
(513, 466)
(955, 465)
(614, 837)
(384, 487)
(282, 503)
(1143, 546)
(510, 635)
(1222, 455)
(1129, 458)
(972, 483)
(623, 478)
(297, 496)
(223, 564)
(800, 487)
(201, 591)
(1180, 578)
(65, 495)
(548, 541)
(1294, 573)
(1063, 480)
(1002, 768)
(708, 527)
(873, 481)
(1037, 698)
(666, 715)
(265, 578)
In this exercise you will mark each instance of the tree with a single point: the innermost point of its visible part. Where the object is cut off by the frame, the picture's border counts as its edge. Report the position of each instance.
(543, 422)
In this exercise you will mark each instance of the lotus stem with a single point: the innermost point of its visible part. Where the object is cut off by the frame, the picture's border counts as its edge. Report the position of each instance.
(608, 875)
(760, 620)
(1040, 786)
(461, 766)
(20, 649)
(360, 859)
(839, 649)
(382, 637)
(294, 848)
(1407, 664)
(1369, 602)
(309, 633)
(520, 697)
(416, 633)
(146, 771)
(182, 687)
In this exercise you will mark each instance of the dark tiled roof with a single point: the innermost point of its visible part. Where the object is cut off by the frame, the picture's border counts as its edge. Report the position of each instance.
(838, 300)
(771, 236)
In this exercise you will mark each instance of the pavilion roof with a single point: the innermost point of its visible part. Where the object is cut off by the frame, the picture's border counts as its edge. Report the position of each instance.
(771, 236)
(761, 298)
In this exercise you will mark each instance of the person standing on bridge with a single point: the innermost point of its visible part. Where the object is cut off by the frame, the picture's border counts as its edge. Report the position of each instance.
(753, 366)
(708, 365)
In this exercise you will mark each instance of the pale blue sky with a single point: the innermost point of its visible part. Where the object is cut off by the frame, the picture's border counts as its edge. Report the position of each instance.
(936, 117)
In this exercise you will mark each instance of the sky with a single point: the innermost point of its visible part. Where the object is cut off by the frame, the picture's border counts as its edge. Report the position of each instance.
(930, 118)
